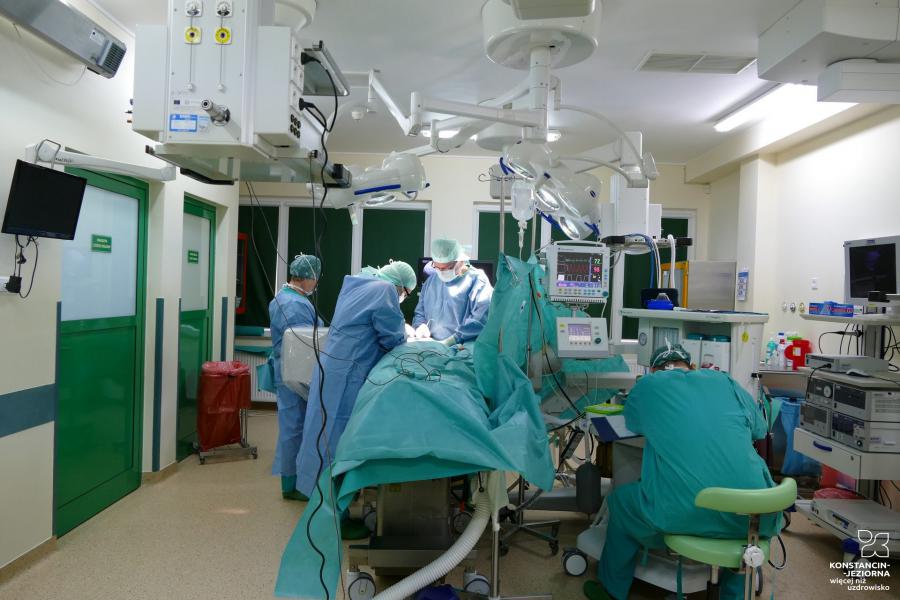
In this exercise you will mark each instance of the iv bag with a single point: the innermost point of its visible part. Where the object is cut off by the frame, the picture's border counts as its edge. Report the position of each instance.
(522, 194)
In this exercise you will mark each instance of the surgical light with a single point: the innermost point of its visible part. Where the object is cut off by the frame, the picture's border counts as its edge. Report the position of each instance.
(527, 159)
(553, 135)
(784, 100)
(400, 177)
(443, 134)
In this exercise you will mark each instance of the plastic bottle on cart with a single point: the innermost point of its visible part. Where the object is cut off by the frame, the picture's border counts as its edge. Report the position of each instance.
(770, 351)
(782, 358)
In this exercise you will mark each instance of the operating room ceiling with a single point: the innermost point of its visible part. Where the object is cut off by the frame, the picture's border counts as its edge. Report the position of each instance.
(435, 47)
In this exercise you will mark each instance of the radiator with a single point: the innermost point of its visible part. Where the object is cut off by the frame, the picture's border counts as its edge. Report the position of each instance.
(253, 361)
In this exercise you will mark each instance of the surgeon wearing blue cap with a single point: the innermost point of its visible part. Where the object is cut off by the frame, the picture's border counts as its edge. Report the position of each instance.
(454, 301)
(367, 324)
(291, 308)
(699, 428)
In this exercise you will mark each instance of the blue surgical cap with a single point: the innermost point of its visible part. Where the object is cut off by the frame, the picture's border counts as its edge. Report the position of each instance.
(396, 272)
(305, 266)
(669, 353)
(446, 251)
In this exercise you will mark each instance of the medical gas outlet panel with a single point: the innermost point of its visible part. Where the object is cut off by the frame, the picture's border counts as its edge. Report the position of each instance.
(230, 80)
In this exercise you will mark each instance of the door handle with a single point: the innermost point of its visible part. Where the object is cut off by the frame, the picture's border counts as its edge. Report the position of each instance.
(821, 447)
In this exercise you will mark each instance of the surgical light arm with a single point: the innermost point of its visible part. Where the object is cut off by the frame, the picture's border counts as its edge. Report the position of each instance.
(51, 152)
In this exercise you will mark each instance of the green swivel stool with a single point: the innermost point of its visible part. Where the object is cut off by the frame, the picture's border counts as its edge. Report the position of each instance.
(744, 555)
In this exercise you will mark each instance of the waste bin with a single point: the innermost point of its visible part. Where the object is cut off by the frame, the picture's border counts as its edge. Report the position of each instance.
(223, 398)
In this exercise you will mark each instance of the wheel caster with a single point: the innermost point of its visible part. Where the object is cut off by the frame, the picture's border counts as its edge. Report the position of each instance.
(504, 549)
(202, 461)
(575, 562)
(255, 455)
(460, 521)
(476, 584)
(759, 582)
(554, 548)
(360, 586)
(370, 517)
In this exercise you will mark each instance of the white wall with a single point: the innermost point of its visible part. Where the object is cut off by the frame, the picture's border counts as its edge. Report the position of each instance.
(723, 217)
(88, 115)
(842, 186)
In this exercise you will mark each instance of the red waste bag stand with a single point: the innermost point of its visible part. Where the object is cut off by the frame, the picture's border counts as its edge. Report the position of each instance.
(223, 399)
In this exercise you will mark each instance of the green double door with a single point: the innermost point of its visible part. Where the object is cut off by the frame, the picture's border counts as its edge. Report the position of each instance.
(195, 316)
(100, 352)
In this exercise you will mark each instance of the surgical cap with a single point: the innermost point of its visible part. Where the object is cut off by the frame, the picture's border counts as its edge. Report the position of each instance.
(446, 251)
(398, 273)
(669, 353)
(305, 266)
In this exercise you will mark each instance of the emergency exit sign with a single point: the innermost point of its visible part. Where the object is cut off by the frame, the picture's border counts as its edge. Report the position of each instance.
(101, 243)
(193, 257)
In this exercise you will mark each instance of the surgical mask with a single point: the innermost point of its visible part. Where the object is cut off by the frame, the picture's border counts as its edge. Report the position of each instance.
(447, 276)
(300, 290)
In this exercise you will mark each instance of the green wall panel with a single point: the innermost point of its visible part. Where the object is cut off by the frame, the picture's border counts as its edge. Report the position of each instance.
(489, 236)
(305, 224)
(261, 261)
(394, 234)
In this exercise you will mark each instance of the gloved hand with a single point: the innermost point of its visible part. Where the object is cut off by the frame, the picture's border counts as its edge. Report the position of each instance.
(450, 341)
(410, 332)
(422, 331)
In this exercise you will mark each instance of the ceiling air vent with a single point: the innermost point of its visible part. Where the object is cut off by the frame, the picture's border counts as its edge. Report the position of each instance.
(695, 63)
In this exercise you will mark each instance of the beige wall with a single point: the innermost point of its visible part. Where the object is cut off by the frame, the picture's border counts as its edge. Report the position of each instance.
(723, 215)
(88, 115)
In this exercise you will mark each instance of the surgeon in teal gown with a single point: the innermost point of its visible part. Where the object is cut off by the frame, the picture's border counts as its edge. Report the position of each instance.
(291, 308)
(367, 324)
(699, 428)
(454, 301)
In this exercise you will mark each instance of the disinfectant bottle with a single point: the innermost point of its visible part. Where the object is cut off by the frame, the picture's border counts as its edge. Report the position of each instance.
(771, 347)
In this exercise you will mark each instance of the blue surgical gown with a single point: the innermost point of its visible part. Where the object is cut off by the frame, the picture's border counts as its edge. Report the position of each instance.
(458, 308)
(367, 324)
(699, 428)
(288, 309)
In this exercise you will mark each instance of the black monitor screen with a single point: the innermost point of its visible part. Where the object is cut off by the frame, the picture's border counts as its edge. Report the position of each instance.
(873, 268)
(424, 271)
(43, 202)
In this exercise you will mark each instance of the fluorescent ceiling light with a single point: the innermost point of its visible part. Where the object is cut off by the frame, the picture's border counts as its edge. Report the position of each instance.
(784, 100)
(442, 134)
(553, 135)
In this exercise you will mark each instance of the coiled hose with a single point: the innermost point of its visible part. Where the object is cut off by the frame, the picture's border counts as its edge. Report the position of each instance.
(447, 561)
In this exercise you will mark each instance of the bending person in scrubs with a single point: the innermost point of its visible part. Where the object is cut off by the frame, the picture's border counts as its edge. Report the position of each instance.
(699, 428)
(367, 324)
(291, 308)
(454, 301)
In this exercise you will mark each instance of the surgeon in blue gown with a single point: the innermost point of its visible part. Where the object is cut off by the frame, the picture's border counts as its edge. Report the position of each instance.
(291, 308)
(699, 428)
(367, 324)
(454, 301)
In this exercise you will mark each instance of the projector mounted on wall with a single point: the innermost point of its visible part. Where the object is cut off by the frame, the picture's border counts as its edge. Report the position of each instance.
(851, 50)
(68, 30)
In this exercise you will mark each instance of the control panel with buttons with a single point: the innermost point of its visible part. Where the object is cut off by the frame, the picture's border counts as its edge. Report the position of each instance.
(581, 337)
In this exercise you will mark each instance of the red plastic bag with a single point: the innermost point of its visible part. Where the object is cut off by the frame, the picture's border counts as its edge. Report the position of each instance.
(837, 494)
(224, 390)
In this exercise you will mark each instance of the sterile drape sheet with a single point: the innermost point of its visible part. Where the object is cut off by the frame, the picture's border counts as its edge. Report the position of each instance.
(421, 414)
